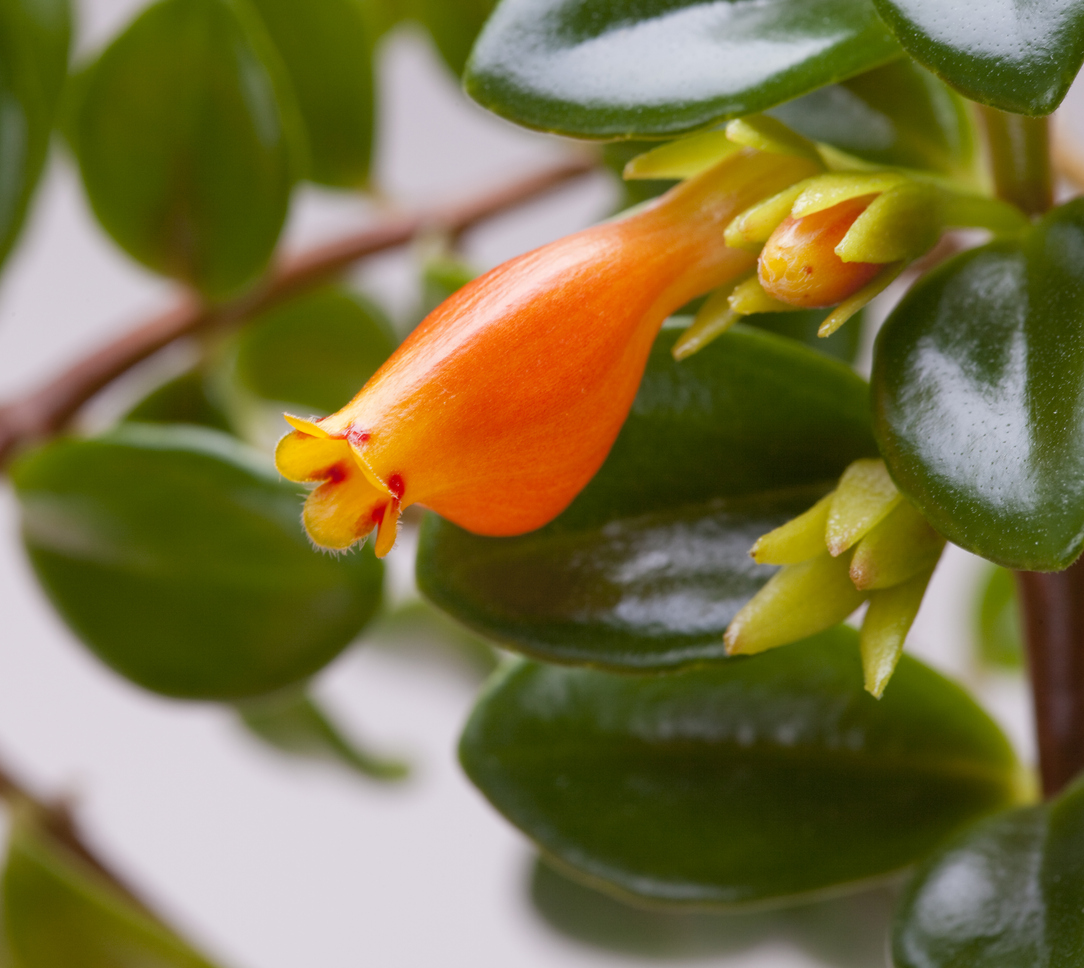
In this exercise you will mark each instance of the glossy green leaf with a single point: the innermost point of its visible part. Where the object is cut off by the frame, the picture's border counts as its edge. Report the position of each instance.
(977, 408)
(898, 114)
(187, 137)
(761, 779)
(315, 351)
(1019, 57)
(659, 67)
(651, 561)
(59, 912)
(454, 25)
(295, 723)
(178, 557)
(998, 627)
(34, 39)
(184, 399)
(327, 49)
(1007, 893)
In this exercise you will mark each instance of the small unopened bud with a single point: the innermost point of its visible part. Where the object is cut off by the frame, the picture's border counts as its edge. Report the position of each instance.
(864, 498)
(799, 265)
(897, 549)
(888, 619)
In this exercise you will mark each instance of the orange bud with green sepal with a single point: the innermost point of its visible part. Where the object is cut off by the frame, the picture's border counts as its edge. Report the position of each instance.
(503, 403)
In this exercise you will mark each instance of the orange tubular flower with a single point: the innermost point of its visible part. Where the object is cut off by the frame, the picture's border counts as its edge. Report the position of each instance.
(506, 399)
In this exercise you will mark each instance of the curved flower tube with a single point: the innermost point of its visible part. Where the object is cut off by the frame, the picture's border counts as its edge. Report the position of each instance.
(503, 403)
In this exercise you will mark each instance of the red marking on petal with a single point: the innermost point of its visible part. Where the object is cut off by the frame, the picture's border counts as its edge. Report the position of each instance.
(335, 474)
(358, 437)
(378, 513)
(396, 486)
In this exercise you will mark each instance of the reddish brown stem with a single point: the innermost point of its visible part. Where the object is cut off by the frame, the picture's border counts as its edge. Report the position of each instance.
(1053, 614)
(49, 409)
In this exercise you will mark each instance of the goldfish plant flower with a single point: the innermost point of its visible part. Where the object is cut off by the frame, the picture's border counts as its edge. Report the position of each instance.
(503, 403)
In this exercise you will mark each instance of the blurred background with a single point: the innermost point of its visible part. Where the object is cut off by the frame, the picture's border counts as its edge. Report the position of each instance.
(272, 862)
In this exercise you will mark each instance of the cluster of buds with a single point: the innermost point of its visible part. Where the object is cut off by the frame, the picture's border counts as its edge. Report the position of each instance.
(863, 542)
(837, 237)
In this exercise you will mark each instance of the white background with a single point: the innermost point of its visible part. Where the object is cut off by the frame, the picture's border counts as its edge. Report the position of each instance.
(269, 862)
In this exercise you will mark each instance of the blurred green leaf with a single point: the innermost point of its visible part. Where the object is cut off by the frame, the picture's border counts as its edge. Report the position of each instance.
(183, 399)
(898, 114)
(34, 39)
(178, 557)
(419, 627)
(802, 325)
(633, 68)
(975, 406)
(651, 561)
(188, 140)
(61, 913)
(844, 932)
(442, 276)
(1019, 57)
(1007, 892)
(295, 724)
(762, 779)
(315, 351)
(453, 25)
(327, 49)
(998, 620)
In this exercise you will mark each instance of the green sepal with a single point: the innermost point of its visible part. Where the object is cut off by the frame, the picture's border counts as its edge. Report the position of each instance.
(760, 780)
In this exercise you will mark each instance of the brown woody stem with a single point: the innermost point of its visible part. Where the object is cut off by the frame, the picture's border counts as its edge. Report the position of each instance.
(1053, 615)
(48, 410)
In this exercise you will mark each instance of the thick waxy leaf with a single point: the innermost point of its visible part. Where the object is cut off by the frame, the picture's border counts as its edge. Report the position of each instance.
(316, 351)
(760, 779)
(180, 560)
(34, 38)
(327, 49)
(59, 912)
(186, 136)
(1008, 892)
(295, 724)
(651, 561)
(659, 67)
(976, 381)
(898, 114)
(1019, 57)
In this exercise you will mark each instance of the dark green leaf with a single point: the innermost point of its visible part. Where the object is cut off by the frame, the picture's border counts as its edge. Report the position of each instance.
(651, 561)
(59, 912)
(187, 136)
(1007, 893)
(1019, 57)
(453, 25)
(183, 399)
(296, 724)
(315, 351)
(50, 23)
(327, 50)
(179, 559)
(803, 325)
(651, 68)
(844, 932)
(898, 114)
(34, 38)
(998, 622)
(976, 379)
(760, 779)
